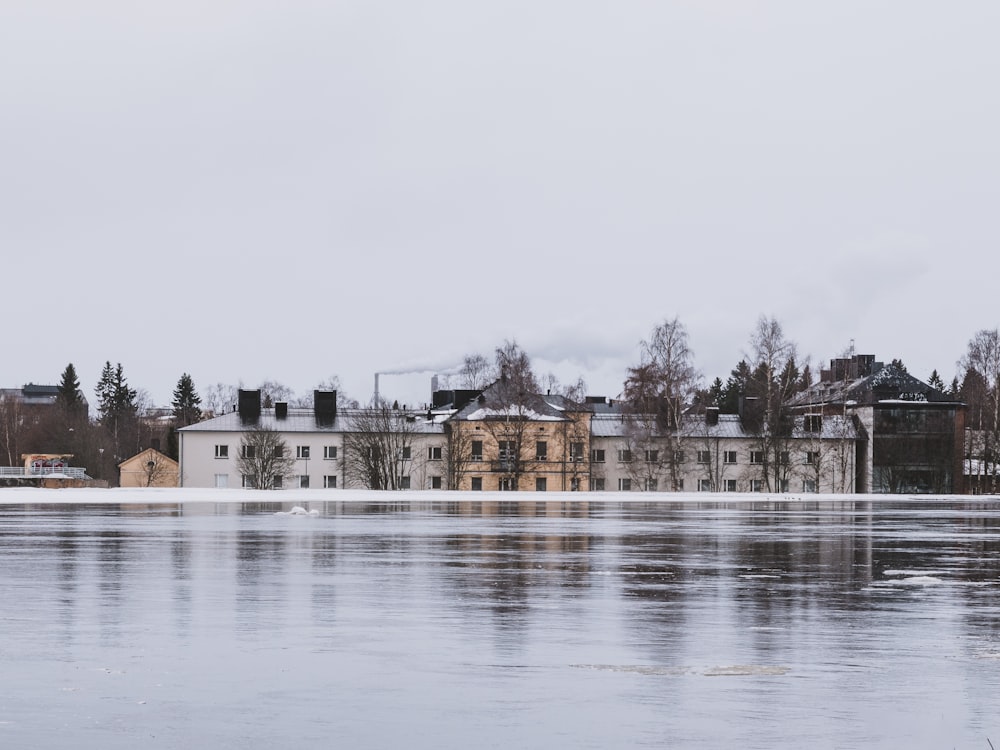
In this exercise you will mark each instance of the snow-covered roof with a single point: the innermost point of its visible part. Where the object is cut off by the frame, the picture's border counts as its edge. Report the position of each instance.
(728, 426)
(890, 384)
(499, 401)
(304, 420)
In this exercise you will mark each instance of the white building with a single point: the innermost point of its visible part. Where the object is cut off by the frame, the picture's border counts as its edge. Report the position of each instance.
(317, 440)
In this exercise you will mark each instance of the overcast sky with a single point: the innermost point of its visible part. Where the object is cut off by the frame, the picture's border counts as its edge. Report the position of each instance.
(290, 190)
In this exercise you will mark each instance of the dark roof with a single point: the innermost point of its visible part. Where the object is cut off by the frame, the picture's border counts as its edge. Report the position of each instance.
(499, 401)
(888, 383)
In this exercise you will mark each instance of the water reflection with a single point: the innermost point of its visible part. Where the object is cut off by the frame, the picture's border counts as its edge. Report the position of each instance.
(670, 623)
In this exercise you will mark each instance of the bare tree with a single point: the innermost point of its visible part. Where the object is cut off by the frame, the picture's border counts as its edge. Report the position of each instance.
(657, 392)
(155, 470)
(331, 383)
(264, 460)
(981, 391)
(220, 399)
(459, 454)
(272, 391)
(514, 365)
(11, 421)
(475, 373)
(774, 379)
(378, 450)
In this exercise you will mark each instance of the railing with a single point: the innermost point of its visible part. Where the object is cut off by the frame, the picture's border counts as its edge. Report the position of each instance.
(73, 472)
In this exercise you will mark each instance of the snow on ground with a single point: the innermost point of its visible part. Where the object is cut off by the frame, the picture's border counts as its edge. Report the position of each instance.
(94, 495)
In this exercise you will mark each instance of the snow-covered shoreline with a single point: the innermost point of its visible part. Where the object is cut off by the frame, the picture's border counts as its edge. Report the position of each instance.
(118, 496)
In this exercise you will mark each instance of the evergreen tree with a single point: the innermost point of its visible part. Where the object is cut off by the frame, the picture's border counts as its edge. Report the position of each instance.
(187, 402)
(898, 364)
(954, 390)
(70, 399)
(105, 391)
(935, 382)
(716, 393)
(736, 386)
(119, 410)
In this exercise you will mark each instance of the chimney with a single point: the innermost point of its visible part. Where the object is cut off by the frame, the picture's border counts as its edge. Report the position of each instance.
(249, 406)
(325, 407)
(751, 413)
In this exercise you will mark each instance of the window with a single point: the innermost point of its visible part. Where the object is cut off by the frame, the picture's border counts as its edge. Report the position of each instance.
(651, 484)
(729, 457)
(304, 481)
(597, 484)
(329, 452)
(247, 481)
(403, 482)
(756, 485)
(506, 484)
(405, 453)
(783, 485)
(434, 453)
(576, 451)
(730, 485)
(330, 482)
(624, 456)
(809, 485)
(222, 451)
(783, 458)
(505, 449)
(813, 422)
(279, 451)
(597, 455)
(249, 451)
(680, 485)
(756, 457)
(277, 482)
(435, 483)
(704, 485)
(678, 457)
(624, 485)
(477, 452)
(302, 451)
(221, 481)
(704, 457)
(652, 457)
(812, 457)
(574, 484)
(477, 483)
(540, 484)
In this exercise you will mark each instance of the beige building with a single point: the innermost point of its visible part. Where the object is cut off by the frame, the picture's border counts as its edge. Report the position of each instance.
(150, 468)
(502, 440)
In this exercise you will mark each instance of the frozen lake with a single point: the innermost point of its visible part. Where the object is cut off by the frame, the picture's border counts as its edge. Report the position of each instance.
(165, 619)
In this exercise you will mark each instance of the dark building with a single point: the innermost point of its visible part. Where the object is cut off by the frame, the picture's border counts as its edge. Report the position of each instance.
(911, 434)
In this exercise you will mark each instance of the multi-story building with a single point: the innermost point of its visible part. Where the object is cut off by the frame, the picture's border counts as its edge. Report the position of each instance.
(862, 428)
(502, 439)
(911, 435)
(712, 452)
(319, 442)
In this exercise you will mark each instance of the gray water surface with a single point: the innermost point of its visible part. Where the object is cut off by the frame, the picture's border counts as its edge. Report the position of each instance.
(502, 625)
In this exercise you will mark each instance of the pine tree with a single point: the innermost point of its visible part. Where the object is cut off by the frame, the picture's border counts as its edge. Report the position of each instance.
(105, 391)
(187, 402)
(70, 399)
(935, 382)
